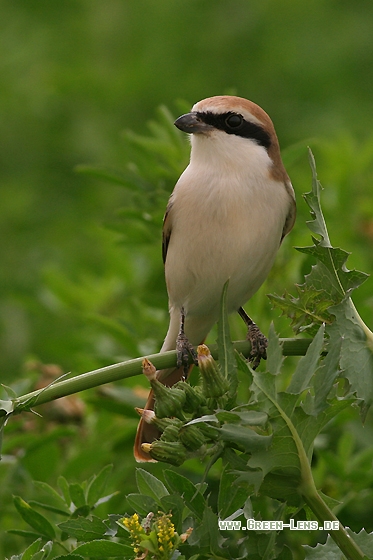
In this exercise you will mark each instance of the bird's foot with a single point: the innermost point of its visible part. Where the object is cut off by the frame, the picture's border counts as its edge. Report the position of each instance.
(256, 338)
(259, 345)
(184, 348)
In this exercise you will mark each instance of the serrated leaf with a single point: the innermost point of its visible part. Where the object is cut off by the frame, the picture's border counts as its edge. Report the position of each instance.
(84, 529)
(307, 311)
(193, 499)
(34, 518)
(326, 375)
(231, 496)
(150, 485)
(331, 551)
(329, 281)
(307, 365)
(98, 484)
(356, 358)
(209, 534)
(105, 549)
(331, 273)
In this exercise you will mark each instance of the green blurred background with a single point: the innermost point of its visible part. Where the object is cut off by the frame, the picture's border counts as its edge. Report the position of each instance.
(81, 277)
(75, 74)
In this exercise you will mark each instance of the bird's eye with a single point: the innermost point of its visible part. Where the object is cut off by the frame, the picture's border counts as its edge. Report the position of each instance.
(234, 121)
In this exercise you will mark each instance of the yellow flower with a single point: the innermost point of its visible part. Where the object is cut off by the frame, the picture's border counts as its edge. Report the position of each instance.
(136, 531)
(165, 533)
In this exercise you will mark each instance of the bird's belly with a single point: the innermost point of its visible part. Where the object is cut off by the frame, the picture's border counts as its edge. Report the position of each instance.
(199, 264)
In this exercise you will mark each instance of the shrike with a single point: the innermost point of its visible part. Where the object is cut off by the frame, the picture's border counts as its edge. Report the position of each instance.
(225, 219)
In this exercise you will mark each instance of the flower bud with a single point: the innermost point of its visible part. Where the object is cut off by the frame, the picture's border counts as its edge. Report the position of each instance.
(172, 452)
(214, 383)
(191, 437)
(146, 414)
(169, 401)
(194, 398)
(170, 433)
(209, 431)
(149, 369)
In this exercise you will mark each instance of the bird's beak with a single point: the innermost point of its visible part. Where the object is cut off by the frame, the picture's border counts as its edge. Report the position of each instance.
(191, 123)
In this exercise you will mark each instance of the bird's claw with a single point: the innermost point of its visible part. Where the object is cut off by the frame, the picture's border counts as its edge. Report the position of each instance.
(184, 349)
(258, 343)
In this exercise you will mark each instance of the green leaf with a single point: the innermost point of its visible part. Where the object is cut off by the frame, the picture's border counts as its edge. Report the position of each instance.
(150, 485)
(142, 504)
(98, 484)
(307, 365)
(64, 486)
(10, 392)
(356, 359)
(331, 551)
(227, 361)
(326, 375)
(274, 352)
(71, 556)
(48, 507)
(209, 535)
(329, 281)
(58, 501)
(105, 549)
(174, 504)
(178, 484)
(32, 549)
(84, 529)
(34, 519)
(44, 553)
(24, 534)
(244, 438)
(231, 496)
(307, 311)
(6, 407)
(77, 495)
(317, 224)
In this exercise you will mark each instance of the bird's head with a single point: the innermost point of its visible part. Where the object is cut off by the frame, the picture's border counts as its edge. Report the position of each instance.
(233, 128)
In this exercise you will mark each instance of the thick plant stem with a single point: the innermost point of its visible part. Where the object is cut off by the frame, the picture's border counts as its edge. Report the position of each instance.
(130, 368)
(341, 537)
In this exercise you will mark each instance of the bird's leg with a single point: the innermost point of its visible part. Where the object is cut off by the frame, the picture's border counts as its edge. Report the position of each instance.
(257, 340)
(184, 348)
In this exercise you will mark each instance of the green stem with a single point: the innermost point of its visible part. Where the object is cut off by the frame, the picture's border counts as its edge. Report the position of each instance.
(343, 540)
(368, 333)
(131, 368)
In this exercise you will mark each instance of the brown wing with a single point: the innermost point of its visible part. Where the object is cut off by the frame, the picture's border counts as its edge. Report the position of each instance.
(290, 218)
(166, 232)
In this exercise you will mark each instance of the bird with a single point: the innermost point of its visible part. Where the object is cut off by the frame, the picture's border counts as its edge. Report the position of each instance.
(225, 220)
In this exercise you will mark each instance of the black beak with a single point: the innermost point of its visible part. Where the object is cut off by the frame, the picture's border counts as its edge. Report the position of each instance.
(192, 123)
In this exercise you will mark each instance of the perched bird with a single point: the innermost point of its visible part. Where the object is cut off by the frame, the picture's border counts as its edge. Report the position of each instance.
(225, 219)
